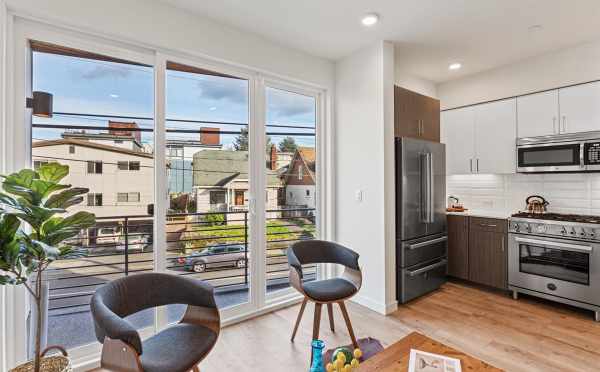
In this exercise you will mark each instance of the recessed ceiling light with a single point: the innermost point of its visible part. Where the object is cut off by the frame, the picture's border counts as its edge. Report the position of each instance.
(535, 28)
(114, 95)
(454, 66)
(370, 19)
(212, 108)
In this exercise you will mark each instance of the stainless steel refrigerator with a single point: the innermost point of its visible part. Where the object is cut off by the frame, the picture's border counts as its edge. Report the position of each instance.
(421, 231)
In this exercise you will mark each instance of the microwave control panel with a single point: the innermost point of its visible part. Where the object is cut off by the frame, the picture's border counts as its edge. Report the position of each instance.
(592, 153)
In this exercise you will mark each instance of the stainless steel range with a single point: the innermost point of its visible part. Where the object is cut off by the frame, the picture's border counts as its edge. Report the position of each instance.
(557, 257)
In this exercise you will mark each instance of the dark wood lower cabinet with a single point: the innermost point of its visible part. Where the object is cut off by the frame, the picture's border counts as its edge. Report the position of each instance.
(458, 246)
(477, 250)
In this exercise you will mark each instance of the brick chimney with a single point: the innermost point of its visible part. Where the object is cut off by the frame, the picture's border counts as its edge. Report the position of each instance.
(119, 128)
(210, 136)
(273, 157)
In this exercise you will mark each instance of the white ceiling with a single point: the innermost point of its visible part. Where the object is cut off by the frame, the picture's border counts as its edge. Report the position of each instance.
(429, 34)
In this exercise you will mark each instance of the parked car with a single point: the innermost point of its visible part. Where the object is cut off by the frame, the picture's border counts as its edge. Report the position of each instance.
(107, 236)
(136, 242)
(215, 257)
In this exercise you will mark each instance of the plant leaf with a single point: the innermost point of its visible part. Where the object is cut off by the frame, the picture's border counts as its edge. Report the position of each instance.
(66, 198)
(53, 172)
(58, 229)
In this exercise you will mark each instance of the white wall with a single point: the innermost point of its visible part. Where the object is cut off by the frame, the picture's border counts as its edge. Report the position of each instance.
(568, 66)
(158, 25)
(364, 139)
(410, 81)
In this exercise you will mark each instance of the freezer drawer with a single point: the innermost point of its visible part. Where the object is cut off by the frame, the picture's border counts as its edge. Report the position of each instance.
(421, 279)
(421, 250)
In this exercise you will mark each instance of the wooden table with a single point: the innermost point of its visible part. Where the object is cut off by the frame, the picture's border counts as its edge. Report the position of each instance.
(395, 358)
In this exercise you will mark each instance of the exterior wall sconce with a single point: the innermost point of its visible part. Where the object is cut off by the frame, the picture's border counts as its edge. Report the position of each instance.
(41, 104)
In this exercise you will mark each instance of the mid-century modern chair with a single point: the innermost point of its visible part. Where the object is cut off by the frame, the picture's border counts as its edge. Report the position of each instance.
(178, 348)
(328, 291)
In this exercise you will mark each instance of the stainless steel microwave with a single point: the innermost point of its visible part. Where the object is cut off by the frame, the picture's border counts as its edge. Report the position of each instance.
(576, 152)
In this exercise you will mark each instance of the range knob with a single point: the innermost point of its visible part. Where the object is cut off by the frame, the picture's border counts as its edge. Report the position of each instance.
(582, 233)
(563, 230)
(528, 228)
(516, 227)
(573, 232)
(541, 228)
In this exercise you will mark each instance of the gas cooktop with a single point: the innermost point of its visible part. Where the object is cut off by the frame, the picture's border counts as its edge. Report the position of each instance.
(559, 217)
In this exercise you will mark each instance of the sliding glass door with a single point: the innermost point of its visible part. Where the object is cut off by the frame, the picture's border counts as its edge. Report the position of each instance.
(194, 168)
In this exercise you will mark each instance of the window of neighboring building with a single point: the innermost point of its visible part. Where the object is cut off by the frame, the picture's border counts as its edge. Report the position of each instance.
(94, 200)
(38, 163)
(71, 149)
(300, 172)
(128, 165)
(217, 197)
(94, 167)
(134, 165)
(128, 197)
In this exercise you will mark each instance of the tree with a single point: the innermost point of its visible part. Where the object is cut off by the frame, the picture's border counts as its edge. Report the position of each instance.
(240, 143)
(32, 234)
(288, 144)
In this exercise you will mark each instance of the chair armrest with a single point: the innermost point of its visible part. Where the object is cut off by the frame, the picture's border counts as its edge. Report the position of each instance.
(109, 324)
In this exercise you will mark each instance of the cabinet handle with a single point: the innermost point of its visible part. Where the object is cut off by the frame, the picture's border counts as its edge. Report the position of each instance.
(487, 225)
(418, 127)
(502, 243)
(477, 162)
(471, 164)
(564, 124)
(554, 125)
(422, 128)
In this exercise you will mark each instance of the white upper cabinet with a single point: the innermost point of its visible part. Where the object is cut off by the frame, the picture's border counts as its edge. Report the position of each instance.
(580, 108)
(495, 137)
(457, 132)
(537, 114)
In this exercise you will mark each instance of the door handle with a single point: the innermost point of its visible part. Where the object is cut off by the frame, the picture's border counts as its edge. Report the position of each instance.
(428, 268)
(427, 243)
(557, 245)
(477, 161)
(471, 164)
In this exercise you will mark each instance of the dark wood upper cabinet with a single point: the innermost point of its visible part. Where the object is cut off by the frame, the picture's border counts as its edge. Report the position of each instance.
(487, 252)
(416, 115)
(458, 246)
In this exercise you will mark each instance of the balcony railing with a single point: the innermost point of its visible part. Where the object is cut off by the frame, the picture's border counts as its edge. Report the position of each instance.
(209, 246)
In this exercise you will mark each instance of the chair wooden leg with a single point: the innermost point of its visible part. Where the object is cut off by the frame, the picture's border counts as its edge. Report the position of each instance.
(348, 324)
(316, 325)
(299, 318)
(330, 311)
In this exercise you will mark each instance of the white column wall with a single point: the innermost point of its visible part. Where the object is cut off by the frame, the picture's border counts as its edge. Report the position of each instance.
(364, 164)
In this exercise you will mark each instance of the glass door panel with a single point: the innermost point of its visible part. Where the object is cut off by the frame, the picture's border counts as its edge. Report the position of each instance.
(291, 180)
(102, 128)
(207, 159)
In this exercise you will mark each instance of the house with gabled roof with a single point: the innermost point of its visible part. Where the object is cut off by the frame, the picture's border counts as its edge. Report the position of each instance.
(300, 179)
(221, 181)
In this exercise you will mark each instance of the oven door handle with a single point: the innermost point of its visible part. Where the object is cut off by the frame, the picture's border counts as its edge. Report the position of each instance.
(558, 245)
(427, 268)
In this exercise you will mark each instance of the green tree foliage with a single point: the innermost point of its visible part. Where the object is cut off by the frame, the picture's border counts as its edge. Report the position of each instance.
(288, 144)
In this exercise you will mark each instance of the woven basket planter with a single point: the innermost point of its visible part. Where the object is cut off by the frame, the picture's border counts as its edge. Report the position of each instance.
(53, 363)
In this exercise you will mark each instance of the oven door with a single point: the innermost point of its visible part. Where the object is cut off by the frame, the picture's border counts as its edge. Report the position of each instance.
(553, 157)
(558, 267)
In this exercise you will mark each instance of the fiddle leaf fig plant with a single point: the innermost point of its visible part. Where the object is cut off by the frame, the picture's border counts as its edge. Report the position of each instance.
(34, 226)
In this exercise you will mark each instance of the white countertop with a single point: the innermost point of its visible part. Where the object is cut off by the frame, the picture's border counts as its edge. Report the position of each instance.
(483, 213)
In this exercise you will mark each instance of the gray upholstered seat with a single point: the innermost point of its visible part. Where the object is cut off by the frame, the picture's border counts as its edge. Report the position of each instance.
(178, 348)
(329, 289)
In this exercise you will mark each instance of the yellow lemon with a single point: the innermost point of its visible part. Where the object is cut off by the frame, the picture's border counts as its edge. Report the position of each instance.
(347, 368)
(329, 367)
(339, 364)
(354, 363)
(342, 357)
(357, 353)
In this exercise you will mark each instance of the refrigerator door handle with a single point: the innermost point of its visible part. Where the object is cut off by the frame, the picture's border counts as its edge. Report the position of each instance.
(429, 189)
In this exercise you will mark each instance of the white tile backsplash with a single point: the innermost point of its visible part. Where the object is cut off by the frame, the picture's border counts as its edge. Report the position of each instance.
(567, 193)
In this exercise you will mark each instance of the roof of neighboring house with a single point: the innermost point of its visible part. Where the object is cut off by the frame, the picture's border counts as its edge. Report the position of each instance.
(92, 145)
(219, 167)
(306, 155)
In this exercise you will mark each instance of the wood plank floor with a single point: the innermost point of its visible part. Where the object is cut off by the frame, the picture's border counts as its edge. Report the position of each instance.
(525, 335)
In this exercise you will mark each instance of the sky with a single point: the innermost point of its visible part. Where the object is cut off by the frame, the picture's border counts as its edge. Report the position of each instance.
(94, 87)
